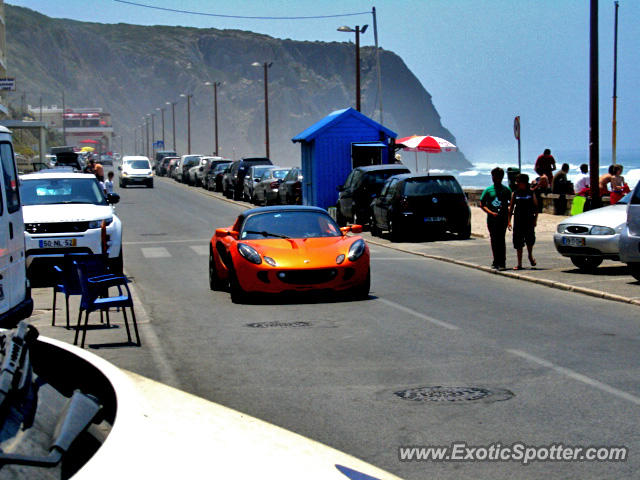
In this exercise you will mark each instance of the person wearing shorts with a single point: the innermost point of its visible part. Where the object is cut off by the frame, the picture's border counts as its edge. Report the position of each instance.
(524, 211)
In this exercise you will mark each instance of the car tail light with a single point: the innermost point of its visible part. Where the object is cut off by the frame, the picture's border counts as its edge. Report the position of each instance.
(274, 184)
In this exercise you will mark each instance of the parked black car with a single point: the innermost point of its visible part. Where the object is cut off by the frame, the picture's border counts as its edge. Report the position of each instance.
(290, 191)
(233, 180)
(362, 185)
(431, 204)
(214, 177)
(209, 179)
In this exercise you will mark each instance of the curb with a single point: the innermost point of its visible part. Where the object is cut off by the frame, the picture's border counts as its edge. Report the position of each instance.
(540, 281)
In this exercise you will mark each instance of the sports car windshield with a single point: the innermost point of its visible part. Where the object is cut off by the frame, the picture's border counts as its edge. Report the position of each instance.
(48, 191)
(289, 224)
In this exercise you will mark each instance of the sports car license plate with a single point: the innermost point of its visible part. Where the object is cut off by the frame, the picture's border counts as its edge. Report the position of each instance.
(573, 241)
(58, 243)
(434, 219)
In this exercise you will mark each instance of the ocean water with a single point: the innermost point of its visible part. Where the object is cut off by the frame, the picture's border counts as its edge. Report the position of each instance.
(480, 175)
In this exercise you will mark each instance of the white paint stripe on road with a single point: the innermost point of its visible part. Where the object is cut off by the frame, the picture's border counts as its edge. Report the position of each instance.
(577, 376)
(404, 309)
(200, 249)
(155, 252)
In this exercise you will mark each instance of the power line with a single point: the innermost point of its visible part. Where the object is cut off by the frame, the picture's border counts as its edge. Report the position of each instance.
(190, 12)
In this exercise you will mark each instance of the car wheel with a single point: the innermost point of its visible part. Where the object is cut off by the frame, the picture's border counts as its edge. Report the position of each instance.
(116, 265)
(214, 281)
(465, 233)
(634, 270)
(150, 185)
(375, 230)
(238, 295)
(361, 292)
(394, 233)
(586, 264)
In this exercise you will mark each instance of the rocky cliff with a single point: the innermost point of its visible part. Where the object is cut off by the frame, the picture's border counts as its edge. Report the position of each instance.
(130, 70)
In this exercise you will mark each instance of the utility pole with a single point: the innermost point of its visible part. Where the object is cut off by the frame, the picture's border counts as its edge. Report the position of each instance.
(594, 127)
(64, 128)
(375, 36)
(173, 120)
(615, 86)
(188, 96)
(215, 113)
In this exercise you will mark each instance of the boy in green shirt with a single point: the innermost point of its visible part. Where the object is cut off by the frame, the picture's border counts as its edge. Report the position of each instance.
(495, 203)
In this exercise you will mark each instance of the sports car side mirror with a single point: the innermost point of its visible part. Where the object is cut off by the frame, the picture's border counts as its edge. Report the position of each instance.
(223, 232)
(356, 228)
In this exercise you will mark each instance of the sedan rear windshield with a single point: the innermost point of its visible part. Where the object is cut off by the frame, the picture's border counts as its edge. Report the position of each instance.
(139, 164)
(378, 178)
(288, 224)
(429, 186)
(48, 191)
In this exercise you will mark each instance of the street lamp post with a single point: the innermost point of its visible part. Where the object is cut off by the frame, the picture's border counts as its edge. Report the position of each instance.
(266, 66)
(173, 120)
(215, 111)
(146, 143)
(188, 97)
(153, 134)
(357, 31)
(161, 110)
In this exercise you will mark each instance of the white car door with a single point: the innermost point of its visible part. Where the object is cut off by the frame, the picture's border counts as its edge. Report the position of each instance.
(633, 212)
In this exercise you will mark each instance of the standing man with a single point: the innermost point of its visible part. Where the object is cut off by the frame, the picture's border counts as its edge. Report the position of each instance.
(562, 187)
(545, 165)
(495, 203)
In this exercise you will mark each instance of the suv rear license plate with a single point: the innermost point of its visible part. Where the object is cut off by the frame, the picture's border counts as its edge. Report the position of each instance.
(58, 243)
(573, 241)
(434, 219)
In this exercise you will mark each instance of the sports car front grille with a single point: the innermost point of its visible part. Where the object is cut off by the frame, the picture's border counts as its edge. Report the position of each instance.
(307, 277)
(57, 227)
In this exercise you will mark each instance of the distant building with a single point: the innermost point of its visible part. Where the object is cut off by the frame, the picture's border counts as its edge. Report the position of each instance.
(84, 127)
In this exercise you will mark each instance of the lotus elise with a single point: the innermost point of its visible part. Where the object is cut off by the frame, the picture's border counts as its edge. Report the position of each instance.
(288, 248)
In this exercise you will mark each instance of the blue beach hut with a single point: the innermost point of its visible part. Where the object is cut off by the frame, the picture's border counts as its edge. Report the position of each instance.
(332, 147)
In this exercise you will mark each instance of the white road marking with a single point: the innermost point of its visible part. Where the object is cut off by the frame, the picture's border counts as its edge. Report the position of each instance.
(155, 252)
(200, 249)
(404, 309)
(577, 376)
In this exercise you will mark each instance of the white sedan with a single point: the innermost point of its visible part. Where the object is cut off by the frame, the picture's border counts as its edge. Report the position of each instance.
(66, 212)
(591, 237)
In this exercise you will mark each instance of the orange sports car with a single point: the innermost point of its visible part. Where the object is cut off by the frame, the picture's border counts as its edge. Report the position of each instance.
(288, 248)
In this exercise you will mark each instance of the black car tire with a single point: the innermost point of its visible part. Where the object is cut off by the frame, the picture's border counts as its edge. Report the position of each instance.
(394, 232)
(214, 280)
(123, 185)
(116, 265)
(634, 270)
(361, 292)
(375, 230)
(150, 184)
(465, 233)
(586, 264)
(238, 295)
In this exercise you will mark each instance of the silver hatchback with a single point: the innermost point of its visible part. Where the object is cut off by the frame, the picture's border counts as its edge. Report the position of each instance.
(591, 237)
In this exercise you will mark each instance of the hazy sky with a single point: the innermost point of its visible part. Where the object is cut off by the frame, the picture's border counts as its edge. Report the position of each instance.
(483, 61)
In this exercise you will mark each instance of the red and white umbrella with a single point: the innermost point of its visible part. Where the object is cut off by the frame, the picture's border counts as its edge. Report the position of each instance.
(425, 143)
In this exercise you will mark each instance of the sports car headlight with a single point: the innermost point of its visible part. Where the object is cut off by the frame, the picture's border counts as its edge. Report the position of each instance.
(596, 230)
(356, 250)
(249, 253)
(98, 223)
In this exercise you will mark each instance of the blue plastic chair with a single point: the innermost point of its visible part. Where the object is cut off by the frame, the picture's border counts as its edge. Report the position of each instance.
(67, 282)
(95, 297)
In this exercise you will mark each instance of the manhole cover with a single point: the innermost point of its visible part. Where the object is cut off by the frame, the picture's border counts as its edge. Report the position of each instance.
(152, 234)
(278, 324)
(444, 395)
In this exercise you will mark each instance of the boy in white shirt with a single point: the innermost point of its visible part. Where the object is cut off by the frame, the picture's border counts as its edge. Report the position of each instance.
(108, 184)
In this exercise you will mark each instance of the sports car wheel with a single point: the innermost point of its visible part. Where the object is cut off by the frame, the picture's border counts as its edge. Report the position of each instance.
(361, 292)
(214, 281)
(634, 270)
(586, 263)
(238, 295)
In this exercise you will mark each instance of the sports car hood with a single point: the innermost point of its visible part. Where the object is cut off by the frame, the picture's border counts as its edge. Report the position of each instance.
(304, 252)
(82, 212)
(611, 216)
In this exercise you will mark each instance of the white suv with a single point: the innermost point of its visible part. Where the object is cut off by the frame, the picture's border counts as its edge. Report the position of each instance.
(67, 212)
(135, 171)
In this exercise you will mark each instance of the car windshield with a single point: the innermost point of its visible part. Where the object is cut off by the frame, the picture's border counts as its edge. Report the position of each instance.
(191, 161)
(289, 224)
(47, 191)
(416, 187)
(378, 178)
(138, 164)
(280, 173)
(625, 200)
(258, 171)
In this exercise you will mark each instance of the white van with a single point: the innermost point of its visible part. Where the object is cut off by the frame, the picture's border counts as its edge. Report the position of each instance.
(15, 294)
(135, 170)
